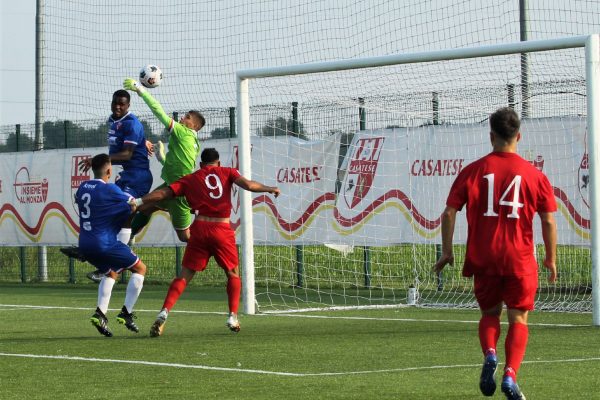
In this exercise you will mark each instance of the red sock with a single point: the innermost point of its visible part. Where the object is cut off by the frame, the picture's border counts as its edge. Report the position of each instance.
(514, 346)
(489, 332)
(177, 287)
(234, 286)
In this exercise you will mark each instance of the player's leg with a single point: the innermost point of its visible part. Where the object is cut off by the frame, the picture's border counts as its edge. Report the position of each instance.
(132, 293)
(176, 288)
(226, 255)
(181, 217)
(234, 288)
(73, 252)
(136, 183)
(105, 286)
(515, 345)
(519, 296)
(489, 297)
(144, 213)
(141, 218)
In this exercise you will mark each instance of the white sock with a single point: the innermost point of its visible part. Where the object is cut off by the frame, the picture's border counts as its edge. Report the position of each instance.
(134, 287)
(104, 291)
(124, 235)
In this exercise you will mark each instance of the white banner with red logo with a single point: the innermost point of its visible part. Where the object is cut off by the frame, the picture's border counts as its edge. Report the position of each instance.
(397, 180)
(390, 188)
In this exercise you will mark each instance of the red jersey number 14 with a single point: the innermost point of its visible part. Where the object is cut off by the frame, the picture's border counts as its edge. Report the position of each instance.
(515, 186)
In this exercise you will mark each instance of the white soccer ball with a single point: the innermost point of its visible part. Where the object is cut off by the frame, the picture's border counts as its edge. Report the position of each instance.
(151, 76)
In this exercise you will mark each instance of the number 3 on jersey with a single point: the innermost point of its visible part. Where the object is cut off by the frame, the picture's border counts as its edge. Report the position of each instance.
(214, 185)
(515, 185)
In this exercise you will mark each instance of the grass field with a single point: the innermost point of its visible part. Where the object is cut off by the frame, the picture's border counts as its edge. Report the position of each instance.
(48, 349)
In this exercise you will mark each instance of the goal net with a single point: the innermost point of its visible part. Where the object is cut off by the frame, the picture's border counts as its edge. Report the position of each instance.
(358, 221)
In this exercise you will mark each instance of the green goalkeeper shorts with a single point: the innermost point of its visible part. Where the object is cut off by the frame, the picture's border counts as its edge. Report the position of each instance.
(179, 210)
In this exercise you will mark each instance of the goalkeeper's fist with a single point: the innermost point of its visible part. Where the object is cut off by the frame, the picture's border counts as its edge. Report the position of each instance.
(132, 84)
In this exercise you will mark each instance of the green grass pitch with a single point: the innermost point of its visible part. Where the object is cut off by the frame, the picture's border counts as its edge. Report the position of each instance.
(49, 350)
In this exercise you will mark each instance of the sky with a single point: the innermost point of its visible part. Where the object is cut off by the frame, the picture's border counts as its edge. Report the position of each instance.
(17, 60)
(199, 60)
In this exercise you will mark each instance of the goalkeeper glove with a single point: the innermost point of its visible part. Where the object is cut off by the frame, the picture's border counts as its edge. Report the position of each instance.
(132, 84)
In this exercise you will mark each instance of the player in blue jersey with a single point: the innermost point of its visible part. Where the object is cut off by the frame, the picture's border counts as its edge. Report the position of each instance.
(103, 209)
(128, 147)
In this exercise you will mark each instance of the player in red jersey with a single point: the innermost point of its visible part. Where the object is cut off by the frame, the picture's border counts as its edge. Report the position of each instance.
(208, 192)
(502, 192)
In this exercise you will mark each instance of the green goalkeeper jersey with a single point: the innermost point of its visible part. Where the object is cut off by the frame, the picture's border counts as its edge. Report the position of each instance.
(183, 145)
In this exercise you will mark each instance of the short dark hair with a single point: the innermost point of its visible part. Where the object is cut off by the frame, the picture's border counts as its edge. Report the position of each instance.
(209, 155)
(122, 93)
(199, 118)
(505, 123)
(99, 162)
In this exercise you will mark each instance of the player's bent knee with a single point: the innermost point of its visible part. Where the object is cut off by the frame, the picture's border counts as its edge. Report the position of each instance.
(139, 268)
(183, 235)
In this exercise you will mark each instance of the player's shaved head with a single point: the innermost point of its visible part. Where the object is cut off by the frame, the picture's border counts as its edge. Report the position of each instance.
(100, 165)
(198, 118)
(505, 123)
(209, 155)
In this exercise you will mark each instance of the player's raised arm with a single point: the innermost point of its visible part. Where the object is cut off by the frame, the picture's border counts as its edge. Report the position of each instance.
(256, 187)
(154, 196)
(153, 104)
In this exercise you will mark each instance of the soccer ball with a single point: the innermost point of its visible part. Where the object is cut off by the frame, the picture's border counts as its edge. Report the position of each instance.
(151, 76)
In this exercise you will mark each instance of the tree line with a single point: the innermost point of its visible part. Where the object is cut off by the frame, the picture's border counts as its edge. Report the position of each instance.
(68, 134)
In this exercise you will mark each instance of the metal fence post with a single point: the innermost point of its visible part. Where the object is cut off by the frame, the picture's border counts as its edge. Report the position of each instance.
(299, 247)
(435, 106)
(362, 125)
(232, 133)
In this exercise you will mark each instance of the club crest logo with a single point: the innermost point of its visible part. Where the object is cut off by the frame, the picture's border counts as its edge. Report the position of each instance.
(361, 169)
(77, 177)
(538, 163)
(30, 190)
(583, 176)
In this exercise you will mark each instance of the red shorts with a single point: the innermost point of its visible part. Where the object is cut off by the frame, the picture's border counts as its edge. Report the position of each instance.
(210, 239)
(516, 292)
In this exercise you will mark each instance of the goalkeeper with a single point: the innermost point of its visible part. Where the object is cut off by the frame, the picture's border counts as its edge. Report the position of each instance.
(180, 160)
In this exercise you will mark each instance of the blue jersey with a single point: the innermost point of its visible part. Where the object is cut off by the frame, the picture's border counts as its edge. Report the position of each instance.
(103, 209)
(128, 131)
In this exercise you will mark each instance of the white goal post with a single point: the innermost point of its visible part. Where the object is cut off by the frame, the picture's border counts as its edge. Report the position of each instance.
(591, 44)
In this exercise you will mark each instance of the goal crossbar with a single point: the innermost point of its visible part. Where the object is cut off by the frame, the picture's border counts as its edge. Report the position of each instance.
(592, 60)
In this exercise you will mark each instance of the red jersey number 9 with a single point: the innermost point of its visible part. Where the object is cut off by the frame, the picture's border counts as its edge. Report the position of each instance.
(214, 185)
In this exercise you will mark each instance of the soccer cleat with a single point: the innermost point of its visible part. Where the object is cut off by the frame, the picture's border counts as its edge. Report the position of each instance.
(232, 323)
(95, 276)
(160, 152)
(126, 318)
(159, 324)
(487, 382)
(100, 321)
(72, 252)
(511, 389)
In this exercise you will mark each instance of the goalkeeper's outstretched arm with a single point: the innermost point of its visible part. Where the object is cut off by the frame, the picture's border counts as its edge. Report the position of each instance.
(153, 104)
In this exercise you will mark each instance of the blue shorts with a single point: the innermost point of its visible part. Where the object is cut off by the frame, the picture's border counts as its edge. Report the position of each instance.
(135, 182)
(116, 257)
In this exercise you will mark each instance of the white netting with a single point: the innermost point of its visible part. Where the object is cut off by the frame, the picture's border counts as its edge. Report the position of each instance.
(90, 46)
(403, 133)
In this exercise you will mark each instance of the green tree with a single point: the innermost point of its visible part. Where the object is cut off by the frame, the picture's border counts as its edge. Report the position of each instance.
(25, 143)
(282, 127)
(220, 133)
